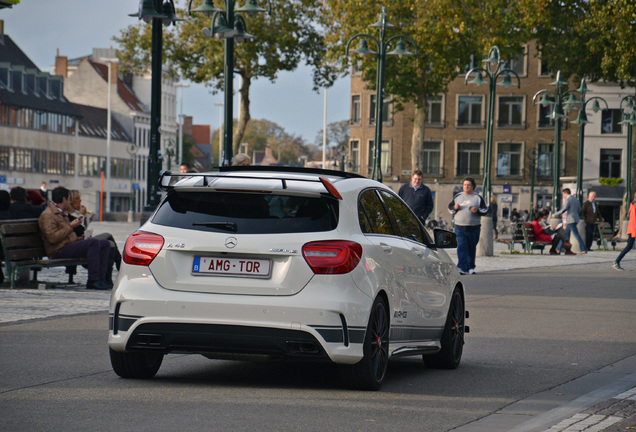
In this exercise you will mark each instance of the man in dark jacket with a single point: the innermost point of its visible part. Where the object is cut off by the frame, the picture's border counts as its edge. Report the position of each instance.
(417, 196)
(591, 215)
(19, 208)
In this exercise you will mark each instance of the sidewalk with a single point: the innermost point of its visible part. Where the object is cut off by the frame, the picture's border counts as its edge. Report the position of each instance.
(41, 301)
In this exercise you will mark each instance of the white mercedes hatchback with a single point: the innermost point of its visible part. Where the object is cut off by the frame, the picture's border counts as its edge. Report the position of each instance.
(285, 263)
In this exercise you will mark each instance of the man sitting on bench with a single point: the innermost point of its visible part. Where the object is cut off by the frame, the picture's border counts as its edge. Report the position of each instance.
(61, 242)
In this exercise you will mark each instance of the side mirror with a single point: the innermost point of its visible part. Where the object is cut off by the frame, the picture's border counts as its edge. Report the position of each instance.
(444, 239)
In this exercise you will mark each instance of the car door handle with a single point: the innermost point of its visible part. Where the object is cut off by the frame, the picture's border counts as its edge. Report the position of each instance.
(386, 248)
(418, 253)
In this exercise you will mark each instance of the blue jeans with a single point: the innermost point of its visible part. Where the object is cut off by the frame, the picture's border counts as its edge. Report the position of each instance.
(467, 248)
(630, 245)
(571, 229)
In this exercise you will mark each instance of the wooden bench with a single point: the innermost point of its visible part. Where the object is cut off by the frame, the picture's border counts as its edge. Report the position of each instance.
(518, 236)
(530, 243)
(605, 235)
(23, 248)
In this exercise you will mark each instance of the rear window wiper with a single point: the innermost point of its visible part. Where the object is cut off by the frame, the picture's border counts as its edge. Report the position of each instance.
(227, 226)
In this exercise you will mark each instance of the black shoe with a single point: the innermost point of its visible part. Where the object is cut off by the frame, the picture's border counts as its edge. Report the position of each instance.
(98, 285)
(553, 252)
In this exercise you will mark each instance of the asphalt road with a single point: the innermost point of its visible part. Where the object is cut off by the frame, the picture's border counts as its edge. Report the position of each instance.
(540, 339)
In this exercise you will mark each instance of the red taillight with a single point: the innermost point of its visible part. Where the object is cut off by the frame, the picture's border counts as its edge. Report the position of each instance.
(332, 256)
(142, 247)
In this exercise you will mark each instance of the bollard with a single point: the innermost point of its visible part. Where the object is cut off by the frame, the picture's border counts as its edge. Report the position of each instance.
(485, 246)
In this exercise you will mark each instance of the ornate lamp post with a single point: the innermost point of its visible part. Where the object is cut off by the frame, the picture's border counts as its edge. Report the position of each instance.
(230, 26)
(492, 71)
(532, 157)
(557, 114)
(581, 120)
(159, 14)
(381, 46)
(629, 119)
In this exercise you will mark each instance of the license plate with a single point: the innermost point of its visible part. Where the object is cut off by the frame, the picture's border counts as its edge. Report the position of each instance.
(232, 266)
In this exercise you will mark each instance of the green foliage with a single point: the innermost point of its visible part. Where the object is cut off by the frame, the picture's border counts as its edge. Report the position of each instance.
(281, 42)
(337, 135)
(260, 134)
(610, 181)
(589, 38)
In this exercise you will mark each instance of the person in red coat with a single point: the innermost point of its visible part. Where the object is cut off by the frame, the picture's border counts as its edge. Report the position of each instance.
(555, 236)
(631, 234)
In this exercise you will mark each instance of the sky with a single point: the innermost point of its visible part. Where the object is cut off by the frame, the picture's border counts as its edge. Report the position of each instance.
(74, 27)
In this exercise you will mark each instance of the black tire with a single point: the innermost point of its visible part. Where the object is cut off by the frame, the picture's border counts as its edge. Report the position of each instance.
(135, 365)
(452, 341)
(369, 372)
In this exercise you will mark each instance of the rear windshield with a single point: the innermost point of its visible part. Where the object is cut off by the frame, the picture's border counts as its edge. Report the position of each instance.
(247, 213)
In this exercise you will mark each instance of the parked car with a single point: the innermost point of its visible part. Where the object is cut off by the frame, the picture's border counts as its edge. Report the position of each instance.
(286, 263)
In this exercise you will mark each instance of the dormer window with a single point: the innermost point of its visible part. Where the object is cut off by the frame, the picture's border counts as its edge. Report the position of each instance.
(17, 79)
(29, 78)
(43, 84)
(4, 74)
(56, 86)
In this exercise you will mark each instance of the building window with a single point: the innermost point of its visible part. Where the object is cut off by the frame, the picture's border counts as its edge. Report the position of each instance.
(518, 63)
(434, 111)
(5, 158)
(544, 161)
(509, 159)
(386, 110)
(4, 74)
(468, 158)
(545, 111)
(544, 69)
(610, 163)
(355, 109)
(469, 111)
(385, 158)
(354, 154)
(475, 61)
(510, 111)
(610, 119)
(430, 162)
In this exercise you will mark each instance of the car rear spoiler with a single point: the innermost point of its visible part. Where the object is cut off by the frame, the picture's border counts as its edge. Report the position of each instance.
(168, 180)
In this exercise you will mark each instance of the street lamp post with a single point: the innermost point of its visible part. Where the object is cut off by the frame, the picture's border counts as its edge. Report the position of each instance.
(532, 156)
(492, 71)
(221, 128)
(581, 120)
(109, 129)
(629, 119)
(181, 121)
(132, 151)
(557, 114)
(381, 46)
(159, 14)
(230, 26)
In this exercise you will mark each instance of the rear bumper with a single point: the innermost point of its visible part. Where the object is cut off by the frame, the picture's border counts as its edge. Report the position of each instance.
(322, 322)
(225, 341)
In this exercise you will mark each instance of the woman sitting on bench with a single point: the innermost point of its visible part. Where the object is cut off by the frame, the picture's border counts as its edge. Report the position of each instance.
(548, 234)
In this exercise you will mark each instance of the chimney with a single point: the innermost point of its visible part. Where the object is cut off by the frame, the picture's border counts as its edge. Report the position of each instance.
(1, 31)
(113, 72)
(61, 65)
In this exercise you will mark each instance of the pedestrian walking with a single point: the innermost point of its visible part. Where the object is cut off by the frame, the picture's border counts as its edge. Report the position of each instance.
(631, 235)
(467, 208)
(572, 208)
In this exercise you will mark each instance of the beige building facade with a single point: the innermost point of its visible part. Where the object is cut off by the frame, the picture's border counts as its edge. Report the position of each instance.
(523, 136)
